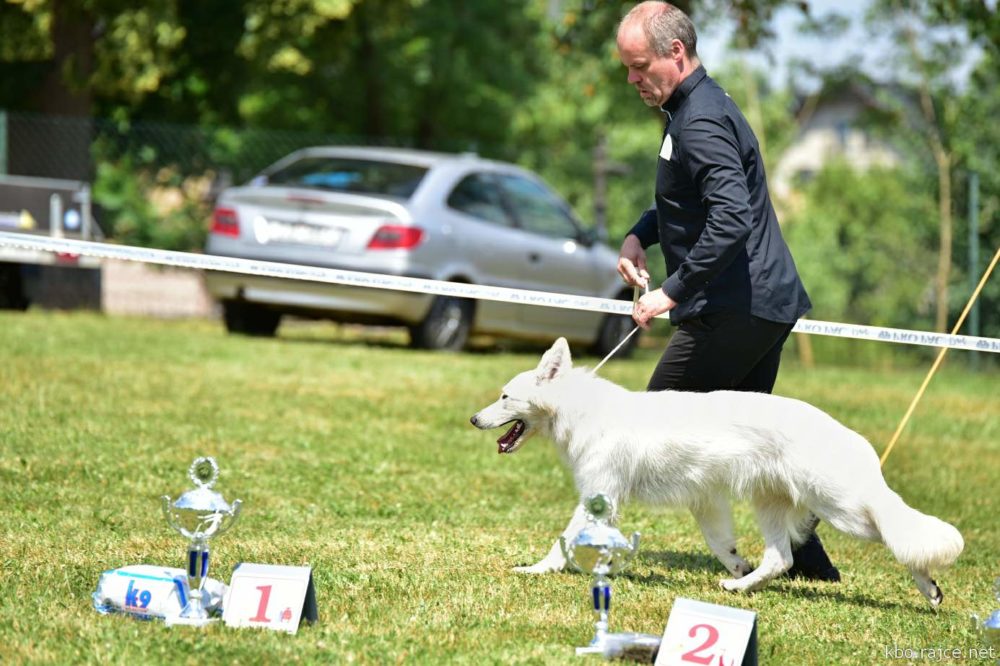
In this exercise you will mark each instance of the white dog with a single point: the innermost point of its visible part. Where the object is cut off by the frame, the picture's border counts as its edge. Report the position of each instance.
(789, 459)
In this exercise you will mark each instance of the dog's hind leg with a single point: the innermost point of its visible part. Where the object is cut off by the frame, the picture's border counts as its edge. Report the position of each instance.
(715, 519)
(773, 520)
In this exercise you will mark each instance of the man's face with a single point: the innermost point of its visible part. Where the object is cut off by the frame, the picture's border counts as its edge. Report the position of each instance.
(654, 76)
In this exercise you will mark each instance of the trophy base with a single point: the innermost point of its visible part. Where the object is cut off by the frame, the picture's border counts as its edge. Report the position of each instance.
(189, 621)
(624, 645)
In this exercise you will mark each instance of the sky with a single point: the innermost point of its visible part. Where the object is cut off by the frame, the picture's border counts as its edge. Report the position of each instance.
(856, 43)
(823, 53)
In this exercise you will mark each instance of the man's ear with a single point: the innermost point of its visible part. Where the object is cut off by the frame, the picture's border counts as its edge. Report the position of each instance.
(555, 362)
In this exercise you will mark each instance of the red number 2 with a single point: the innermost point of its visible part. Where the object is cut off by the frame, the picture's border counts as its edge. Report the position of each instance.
(692, 655)
(265, 595)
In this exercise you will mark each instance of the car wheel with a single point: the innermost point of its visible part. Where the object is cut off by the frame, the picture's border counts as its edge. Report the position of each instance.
(613, 330)
(446, 326)
(250, 319)
(12, 288)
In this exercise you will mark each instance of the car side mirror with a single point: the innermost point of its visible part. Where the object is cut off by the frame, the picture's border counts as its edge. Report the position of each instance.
(591, 236)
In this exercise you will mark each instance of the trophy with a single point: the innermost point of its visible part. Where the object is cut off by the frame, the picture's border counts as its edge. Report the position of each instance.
(601, 550)
(989, 629)
(199, 515)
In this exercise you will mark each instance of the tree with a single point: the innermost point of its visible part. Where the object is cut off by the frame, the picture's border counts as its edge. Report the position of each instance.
(928, 56)
(860, 239)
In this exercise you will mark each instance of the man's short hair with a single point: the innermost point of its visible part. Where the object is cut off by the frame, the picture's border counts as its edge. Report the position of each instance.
(662, 23)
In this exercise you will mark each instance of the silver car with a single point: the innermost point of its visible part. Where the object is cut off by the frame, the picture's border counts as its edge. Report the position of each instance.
(459, 218)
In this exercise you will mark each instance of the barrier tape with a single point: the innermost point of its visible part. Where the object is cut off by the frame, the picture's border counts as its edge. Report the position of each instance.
(456, 289)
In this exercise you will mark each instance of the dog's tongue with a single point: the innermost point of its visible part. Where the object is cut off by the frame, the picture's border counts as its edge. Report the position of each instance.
(508, 439)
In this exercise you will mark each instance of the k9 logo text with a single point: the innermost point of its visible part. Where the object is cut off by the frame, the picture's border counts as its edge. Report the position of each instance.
(137, 599)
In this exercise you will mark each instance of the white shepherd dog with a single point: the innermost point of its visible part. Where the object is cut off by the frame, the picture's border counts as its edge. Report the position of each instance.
(789, 459)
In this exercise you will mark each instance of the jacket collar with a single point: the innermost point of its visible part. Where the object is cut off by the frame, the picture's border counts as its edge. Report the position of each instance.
(683, 90)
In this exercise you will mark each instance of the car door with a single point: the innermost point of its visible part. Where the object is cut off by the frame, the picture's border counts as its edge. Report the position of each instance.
(557, 259)
(489, 239)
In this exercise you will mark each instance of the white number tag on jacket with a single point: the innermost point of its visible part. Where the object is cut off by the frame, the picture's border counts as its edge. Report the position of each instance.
(667, 149)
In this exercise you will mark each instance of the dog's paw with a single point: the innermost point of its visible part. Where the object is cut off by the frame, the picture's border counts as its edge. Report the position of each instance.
(736, 585)
(740, 568)
(730, 584)
(542, 567)
(936, 596)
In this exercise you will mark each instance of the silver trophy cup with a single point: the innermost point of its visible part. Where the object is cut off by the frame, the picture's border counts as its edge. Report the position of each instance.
(989, 629)
(601, 550)
(199, 515)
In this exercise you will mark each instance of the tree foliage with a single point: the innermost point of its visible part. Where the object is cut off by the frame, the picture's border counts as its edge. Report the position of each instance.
(533, 81)
(863, 243)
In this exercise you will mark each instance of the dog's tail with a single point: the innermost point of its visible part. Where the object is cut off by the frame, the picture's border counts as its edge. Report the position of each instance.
(917, 540)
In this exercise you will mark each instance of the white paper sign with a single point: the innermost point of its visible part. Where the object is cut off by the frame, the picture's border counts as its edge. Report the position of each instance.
(667, 148)
(707, 634)
(270, 596)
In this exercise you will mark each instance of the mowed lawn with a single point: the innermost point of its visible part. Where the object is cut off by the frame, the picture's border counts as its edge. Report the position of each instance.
(354, 455)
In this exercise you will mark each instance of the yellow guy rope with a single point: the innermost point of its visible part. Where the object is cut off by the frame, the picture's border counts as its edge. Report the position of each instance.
(940, 357)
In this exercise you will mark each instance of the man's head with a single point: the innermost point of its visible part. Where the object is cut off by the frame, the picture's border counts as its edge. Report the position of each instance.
(657, 43)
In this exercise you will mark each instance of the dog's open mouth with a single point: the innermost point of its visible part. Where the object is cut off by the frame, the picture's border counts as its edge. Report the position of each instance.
(509, 439)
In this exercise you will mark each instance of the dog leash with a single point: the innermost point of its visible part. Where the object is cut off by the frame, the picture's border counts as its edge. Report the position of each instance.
(635, 299)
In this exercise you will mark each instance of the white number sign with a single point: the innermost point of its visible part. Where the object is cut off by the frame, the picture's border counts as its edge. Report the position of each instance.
(709, 635)
(270, 596)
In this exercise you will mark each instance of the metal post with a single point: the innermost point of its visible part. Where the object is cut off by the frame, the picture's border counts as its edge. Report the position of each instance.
(601, 184)
(3, 142)
(86, 212)
(973, 260)
(55, 216)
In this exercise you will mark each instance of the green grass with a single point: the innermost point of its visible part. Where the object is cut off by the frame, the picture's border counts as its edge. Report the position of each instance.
(354, 455)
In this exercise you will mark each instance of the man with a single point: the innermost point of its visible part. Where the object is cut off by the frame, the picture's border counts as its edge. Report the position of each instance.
(732, 287)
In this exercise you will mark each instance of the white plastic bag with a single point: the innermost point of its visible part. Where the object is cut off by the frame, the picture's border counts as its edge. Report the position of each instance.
(148, 591)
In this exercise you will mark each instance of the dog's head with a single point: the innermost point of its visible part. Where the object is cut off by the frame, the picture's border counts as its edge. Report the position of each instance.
(519, 403)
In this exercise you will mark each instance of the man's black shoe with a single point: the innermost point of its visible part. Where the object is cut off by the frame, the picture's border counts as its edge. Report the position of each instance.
(810, 562)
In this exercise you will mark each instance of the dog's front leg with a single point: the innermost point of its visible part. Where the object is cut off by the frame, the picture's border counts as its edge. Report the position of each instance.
(555, 560)
(715, 518)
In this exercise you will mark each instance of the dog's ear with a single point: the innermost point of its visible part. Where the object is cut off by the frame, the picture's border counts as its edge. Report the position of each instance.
(554, 362)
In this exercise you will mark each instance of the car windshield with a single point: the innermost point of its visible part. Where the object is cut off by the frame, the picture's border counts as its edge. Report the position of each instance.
(350, 175)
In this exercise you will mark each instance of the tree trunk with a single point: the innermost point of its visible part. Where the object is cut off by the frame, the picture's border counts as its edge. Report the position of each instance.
(943, 161)
(374, 123)
(65, 90)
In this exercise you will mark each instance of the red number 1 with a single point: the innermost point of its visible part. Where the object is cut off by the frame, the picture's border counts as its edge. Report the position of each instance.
(265, 595)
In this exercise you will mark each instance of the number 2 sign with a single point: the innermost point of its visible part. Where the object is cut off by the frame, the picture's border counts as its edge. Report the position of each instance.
(270, 596)
(704, 634)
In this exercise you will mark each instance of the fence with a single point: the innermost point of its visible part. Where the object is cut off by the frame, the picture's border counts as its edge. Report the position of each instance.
(70, 148)
(153, 182)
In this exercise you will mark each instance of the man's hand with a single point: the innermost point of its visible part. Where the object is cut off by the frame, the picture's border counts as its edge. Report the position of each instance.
(632, 262)
(650, 305)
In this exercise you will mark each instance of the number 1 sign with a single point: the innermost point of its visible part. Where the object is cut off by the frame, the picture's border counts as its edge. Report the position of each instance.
(709, 635)
(270, 596)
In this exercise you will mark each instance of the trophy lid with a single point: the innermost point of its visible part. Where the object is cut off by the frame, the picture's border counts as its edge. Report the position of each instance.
(598, 533)
(203, 473)
(602, 535)
(202, 499)
(599, 546)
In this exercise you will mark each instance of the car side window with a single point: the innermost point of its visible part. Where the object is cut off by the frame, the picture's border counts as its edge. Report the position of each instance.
(479, 196)
(537, 209)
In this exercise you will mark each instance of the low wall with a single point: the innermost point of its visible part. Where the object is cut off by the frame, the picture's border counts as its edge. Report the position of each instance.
(132, 288)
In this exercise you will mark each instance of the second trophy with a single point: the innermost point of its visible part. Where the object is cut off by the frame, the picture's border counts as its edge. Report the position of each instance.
(601, 550)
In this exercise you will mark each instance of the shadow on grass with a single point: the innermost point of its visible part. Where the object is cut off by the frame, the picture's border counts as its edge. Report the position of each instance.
(701, 562)
(395, 337)
(828, 592)
(690, 561)
(386, 338)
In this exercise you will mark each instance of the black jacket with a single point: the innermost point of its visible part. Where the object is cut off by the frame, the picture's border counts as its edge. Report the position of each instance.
(713, 216)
